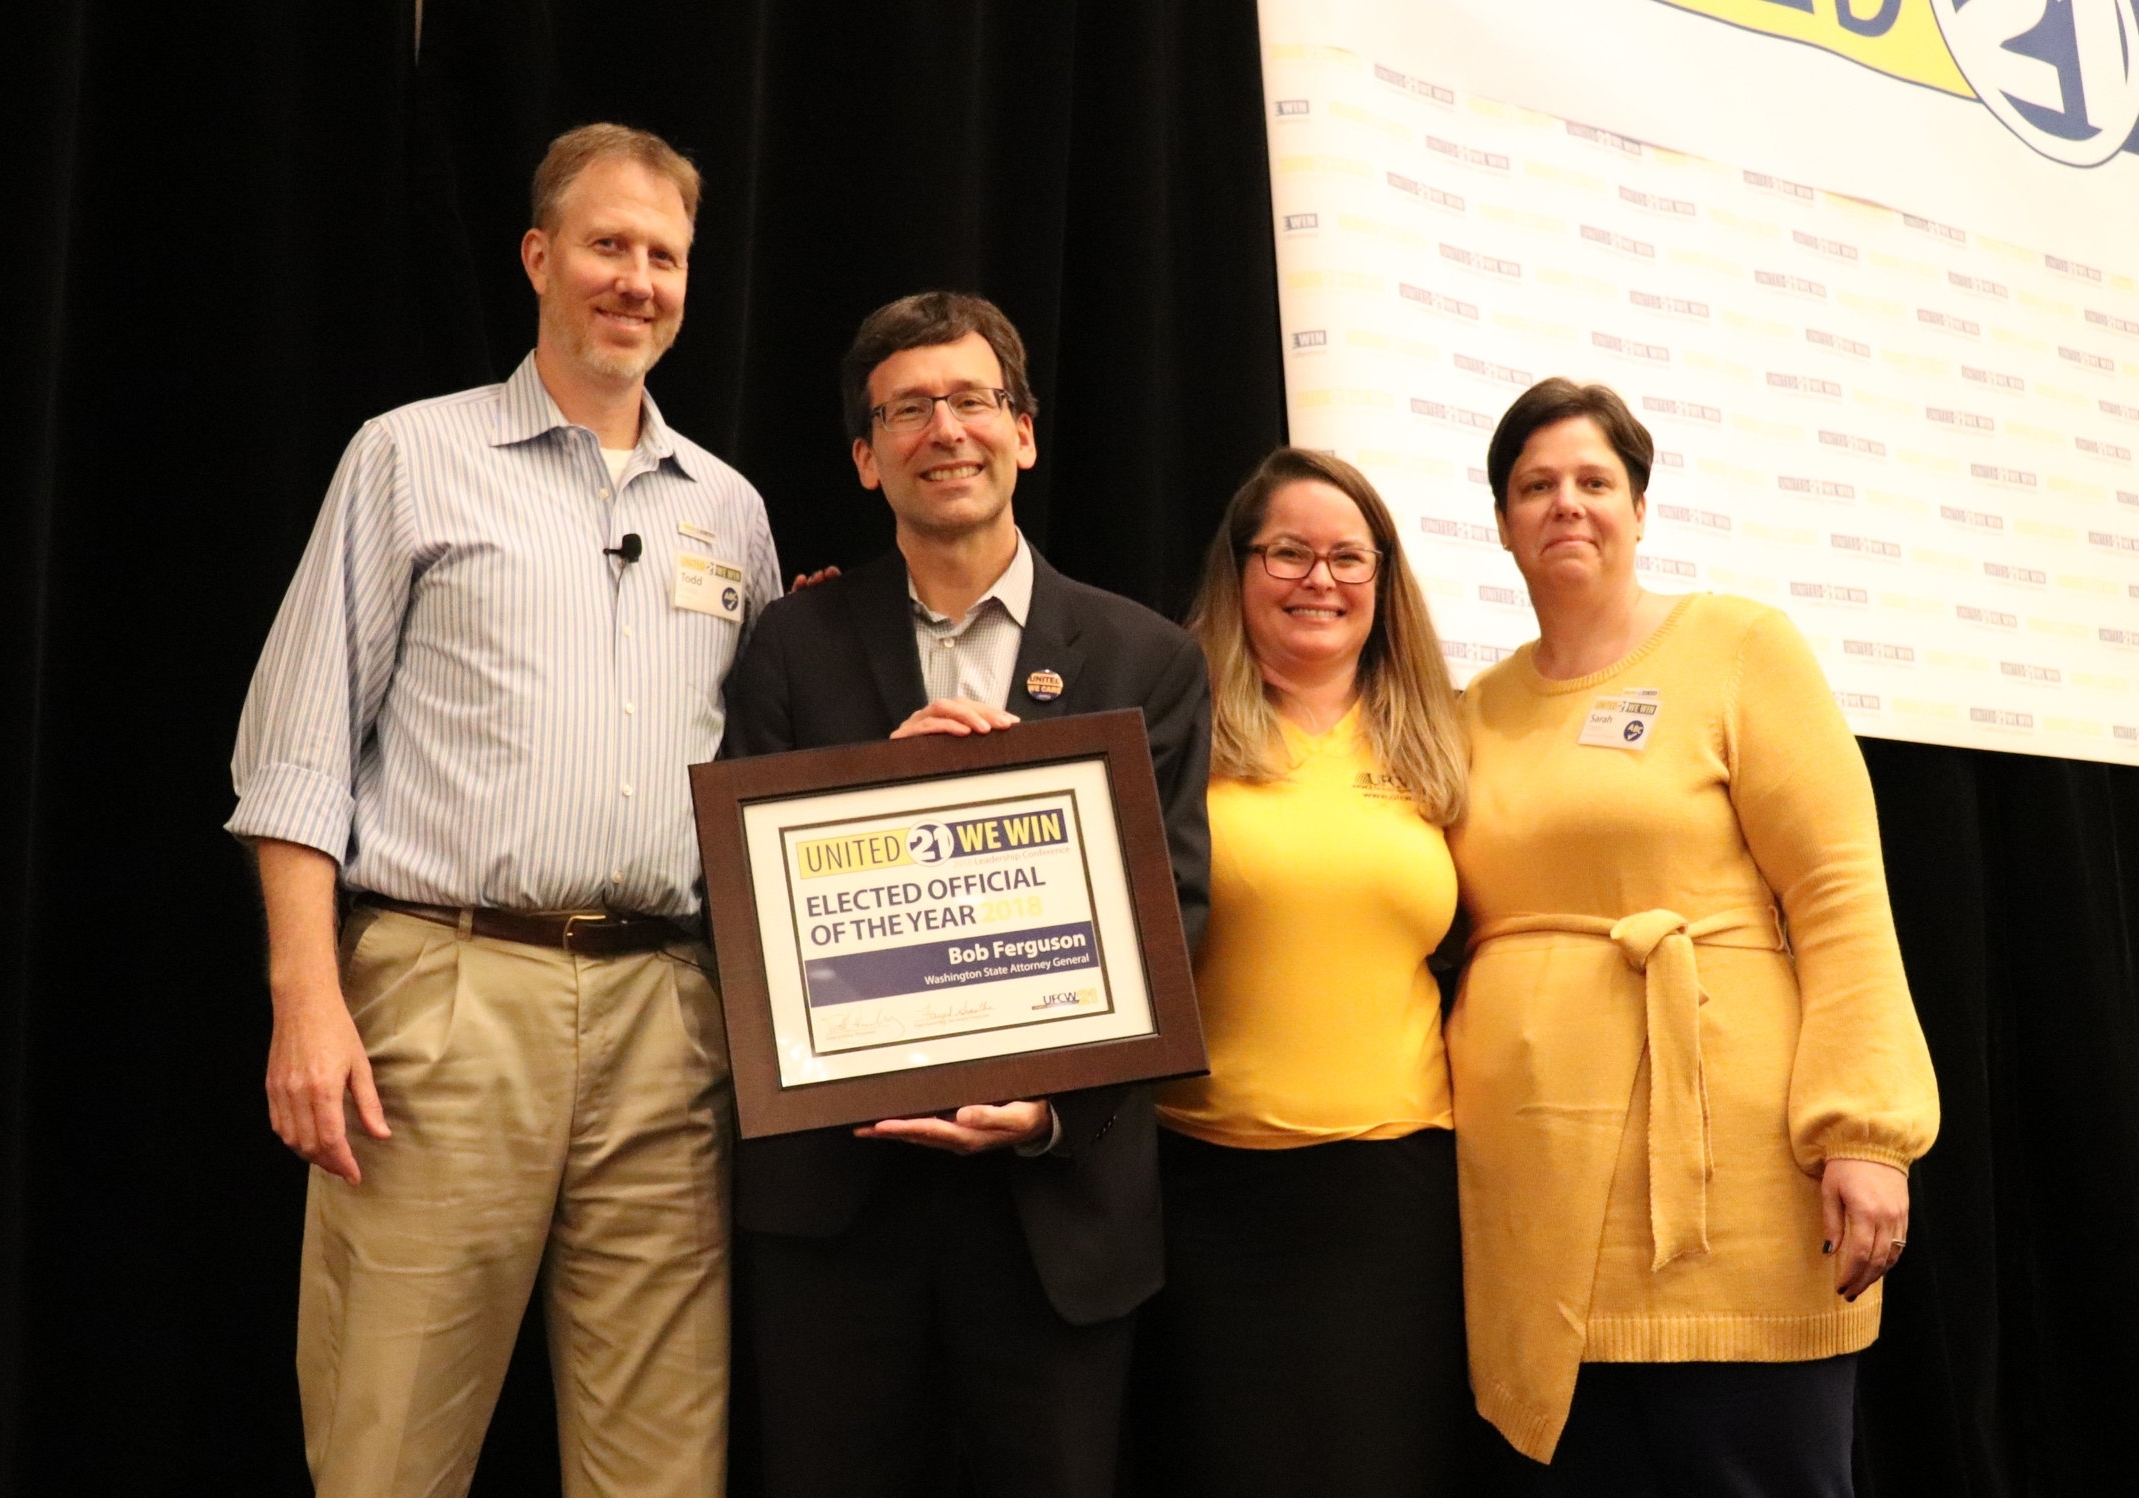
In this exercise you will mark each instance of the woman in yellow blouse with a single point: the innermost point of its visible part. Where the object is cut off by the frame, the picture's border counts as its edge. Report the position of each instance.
(1309, 1338)
(1689, 1080)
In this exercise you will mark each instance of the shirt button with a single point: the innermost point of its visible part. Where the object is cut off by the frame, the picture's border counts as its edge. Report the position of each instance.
(605, 494)
(627, 790)
(949, 643)
(627, 631)
(631, 707)
(616, 876)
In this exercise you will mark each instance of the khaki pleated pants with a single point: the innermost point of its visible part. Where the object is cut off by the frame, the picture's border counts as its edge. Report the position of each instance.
(555, 1118)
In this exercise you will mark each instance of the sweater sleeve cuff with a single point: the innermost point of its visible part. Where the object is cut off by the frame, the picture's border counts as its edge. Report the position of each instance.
(1872, 1152)
(295, 804)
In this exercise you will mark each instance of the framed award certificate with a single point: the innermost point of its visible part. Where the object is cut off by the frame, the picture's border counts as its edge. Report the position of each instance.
(911, 925)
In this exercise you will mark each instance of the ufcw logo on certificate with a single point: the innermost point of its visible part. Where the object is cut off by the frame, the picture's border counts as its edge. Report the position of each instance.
(957, 920)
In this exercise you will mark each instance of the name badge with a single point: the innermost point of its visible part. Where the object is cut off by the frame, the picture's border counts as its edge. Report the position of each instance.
(705, 585)
(1624, 720)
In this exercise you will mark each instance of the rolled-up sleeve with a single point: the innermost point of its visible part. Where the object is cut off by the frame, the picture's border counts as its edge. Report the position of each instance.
(328, 659)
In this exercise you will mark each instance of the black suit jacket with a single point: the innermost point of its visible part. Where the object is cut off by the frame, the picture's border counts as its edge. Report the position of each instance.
(836, 664)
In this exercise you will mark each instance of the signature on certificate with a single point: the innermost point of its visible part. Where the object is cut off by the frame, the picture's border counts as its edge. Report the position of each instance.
(953, 1012)
(853, 1023)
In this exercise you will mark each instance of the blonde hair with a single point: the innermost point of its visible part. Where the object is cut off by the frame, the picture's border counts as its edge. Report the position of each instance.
(1407, 703)
(574, 151)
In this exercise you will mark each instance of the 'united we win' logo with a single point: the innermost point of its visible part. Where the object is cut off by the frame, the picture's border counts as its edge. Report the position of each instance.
(2063, 75)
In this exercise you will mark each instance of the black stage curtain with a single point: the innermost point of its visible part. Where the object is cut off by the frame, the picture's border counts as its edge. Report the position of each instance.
(241, 229)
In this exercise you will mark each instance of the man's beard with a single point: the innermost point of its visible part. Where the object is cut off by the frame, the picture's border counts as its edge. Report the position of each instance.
(576, 342)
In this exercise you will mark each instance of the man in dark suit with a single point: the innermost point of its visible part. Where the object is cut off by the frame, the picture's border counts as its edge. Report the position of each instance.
(927, 1295)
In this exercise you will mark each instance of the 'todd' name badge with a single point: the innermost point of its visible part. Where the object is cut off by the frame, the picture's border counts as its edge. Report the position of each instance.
(705, 585)
(1624, 720)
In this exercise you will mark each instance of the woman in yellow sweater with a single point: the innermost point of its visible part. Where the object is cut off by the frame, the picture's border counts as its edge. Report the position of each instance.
(1309, 1338)
(1689, 1080)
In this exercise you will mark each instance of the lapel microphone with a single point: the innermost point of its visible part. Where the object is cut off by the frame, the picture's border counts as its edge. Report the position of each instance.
(629, 551)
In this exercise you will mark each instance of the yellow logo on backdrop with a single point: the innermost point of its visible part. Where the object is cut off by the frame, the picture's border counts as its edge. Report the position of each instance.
(2062, 75)
(1900, 38)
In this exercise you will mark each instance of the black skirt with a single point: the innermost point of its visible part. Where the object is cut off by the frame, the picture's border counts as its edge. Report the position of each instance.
(1309, 1339)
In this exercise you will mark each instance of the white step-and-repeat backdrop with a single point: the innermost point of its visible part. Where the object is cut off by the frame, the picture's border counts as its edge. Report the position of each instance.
(1866, 269)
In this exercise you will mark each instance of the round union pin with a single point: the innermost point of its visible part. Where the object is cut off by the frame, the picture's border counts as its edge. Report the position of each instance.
(1043, 685)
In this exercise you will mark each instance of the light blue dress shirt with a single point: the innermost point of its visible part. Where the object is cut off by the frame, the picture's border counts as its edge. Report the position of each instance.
(975, 655)
(463, 699)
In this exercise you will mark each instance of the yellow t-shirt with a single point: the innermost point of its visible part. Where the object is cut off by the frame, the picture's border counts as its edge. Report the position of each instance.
(1328, 892)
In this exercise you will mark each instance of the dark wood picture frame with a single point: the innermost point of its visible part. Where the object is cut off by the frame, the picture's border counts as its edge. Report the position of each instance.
(720, 791)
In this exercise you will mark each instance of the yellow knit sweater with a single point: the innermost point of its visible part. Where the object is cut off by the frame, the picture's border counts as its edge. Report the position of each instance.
(1592, 1231)
(1328, 892)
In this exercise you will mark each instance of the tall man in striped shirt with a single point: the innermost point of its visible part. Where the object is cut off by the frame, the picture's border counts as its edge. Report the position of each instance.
(506, 640)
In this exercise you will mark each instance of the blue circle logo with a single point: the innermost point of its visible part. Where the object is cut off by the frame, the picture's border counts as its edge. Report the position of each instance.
(1633, 731)
(2063, 75)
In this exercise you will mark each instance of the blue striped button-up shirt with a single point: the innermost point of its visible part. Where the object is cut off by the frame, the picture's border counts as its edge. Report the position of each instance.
(463, 699)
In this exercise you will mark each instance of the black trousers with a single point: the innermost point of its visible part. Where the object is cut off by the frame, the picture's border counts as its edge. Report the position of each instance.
(1310, 1336)
(916, 1354)
(1706, 1430)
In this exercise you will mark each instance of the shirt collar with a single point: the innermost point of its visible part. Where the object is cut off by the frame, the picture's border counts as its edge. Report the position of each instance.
(526, 411)
(1013, 590)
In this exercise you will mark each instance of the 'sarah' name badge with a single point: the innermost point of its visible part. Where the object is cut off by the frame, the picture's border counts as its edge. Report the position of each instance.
(1624, 720)
(705, 585)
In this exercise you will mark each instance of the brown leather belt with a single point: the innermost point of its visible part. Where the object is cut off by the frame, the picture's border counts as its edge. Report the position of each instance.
(584, 934)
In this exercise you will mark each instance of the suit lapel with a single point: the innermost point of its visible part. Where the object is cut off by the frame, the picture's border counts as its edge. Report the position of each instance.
(1049, 644)
(882, 618)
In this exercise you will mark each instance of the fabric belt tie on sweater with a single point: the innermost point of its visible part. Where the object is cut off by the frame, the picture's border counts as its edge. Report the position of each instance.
(584, 933)
(1659, 945)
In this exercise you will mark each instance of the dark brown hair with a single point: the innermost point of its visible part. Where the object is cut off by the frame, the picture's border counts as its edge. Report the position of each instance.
(925, 320)
(574, 151)
(1555, 400)
(1407, 703)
